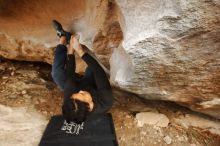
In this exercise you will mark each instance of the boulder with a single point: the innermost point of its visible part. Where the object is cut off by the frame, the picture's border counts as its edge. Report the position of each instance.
(163, 50)
(170, 51)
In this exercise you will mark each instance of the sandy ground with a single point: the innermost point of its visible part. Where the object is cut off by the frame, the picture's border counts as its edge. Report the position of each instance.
(28, 98)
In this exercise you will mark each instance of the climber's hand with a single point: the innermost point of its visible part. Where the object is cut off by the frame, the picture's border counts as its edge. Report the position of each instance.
(74, 43)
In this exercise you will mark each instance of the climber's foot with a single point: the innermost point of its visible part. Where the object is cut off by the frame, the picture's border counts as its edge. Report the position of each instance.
(60, 32)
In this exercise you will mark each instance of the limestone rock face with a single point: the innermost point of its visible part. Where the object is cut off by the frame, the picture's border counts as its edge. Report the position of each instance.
(26, 32)
(25, 27)
(159, 49)
(25, 125)
(173, 51)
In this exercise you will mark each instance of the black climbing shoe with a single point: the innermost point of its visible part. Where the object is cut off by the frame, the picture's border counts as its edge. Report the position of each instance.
(60, 32)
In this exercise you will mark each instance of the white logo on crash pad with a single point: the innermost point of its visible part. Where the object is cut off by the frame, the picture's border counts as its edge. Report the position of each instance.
(72, 128)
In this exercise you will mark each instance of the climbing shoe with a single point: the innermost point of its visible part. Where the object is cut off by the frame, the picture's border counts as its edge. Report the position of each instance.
(60, 32)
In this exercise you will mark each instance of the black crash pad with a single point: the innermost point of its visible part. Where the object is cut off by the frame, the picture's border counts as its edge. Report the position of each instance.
(98, 130)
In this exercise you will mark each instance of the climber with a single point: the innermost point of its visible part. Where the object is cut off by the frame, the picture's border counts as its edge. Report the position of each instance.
(83, 95)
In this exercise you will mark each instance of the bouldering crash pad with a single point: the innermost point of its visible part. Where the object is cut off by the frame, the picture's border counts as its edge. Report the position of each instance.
(97, 130)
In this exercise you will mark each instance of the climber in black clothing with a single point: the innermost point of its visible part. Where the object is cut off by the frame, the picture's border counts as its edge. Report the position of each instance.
(90, 94)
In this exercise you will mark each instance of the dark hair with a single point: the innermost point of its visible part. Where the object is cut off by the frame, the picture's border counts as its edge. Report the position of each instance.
(75, 110)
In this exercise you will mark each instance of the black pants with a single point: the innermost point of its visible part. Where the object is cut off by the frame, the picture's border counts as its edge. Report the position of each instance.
(95, 80)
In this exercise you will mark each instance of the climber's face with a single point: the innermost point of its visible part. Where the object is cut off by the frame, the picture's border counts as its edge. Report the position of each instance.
(84, 96)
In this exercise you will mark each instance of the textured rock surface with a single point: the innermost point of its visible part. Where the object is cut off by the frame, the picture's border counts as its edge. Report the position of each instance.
(20, 126)
(174, 49)
(192, 120)
(27, 34)
(31, 37)
(152, 118)
(170, 48)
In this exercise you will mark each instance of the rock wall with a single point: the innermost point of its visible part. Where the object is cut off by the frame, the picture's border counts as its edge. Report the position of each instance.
(24, 125)
(174, 49)
(25, 27)
(159, 49)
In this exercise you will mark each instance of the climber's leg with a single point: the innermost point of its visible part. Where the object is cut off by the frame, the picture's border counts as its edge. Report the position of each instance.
(58, 67)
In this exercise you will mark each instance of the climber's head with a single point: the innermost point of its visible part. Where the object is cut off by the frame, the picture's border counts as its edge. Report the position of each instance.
(77, 107)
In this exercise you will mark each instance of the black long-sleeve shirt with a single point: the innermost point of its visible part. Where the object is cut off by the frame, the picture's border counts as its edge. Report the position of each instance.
(100, 91)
